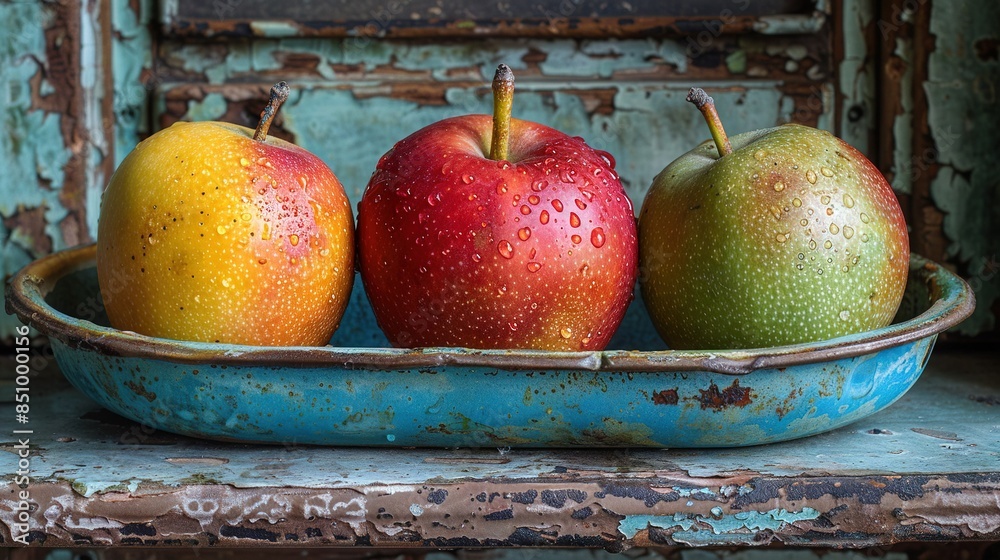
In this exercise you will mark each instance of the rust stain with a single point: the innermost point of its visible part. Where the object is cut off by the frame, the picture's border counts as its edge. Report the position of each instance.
(734, 395)
(29, 223)
(140, 389)
(666, 396)
(987, 49)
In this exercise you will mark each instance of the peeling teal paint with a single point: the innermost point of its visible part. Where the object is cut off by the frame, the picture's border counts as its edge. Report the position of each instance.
(963, 92)
(902, 126)
(131, 47)
(856, 76)
(717, 524)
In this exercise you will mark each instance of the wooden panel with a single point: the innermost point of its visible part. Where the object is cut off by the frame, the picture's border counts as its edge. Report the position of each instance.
(521, 18)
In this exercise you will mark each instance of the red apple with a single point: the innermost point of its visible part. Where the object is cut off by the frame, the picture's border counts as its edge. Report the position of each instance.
(494, 232)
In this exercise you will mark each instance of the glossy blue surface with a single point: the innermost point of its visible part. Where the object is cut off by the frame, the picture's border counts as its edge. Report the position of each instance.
(635, 394)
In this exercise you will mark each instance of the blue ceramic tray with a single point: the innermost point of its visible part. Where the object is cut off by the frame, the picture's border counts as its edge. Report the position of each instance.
(354, 392)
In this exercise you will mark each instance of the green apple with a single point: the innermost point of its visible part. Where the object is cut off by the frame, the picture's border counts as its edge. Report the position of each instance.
(777, 236)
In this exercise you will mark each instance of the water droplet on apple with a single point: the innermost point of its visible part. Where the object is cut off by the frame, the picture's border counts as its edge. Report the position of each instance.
(433, 199)
(855, 260)
(262, 261)
(557, 204)
(585, 269)
(446, 168)
(503, 164)
(864, 218)
(524, 233)
(266, 233)
(534, 266)
(506, 249)
(244, 162)
(574, 220)
(755, 176)
(512, 325)
(781, 237)
(531, 255)
(303, 181)
(844, 315)
(848, 201)
(797, 202)
(825, 199)
(864, 238)
(246, 217)
(812, 244)
(566, 332)
(544, 217)
(587, 194)
(539, 186)
(221, 230)
(776, 212)
(829, 211)
(533, 199)
(811, 177)
(800, 266)
(566, 177)
(534, 305)
(834, 229)
(597, 238)
(779, 186)
(421, 217)
(826, 171)
(845, 269)
(804, 222)
(476, 257)
(580, 204)
(225, 282)
(576, 239)
(819, 271)
(525, 209)
(608, 158)
(801, 256)
(827, 244)
(759, 155)
(468, 179)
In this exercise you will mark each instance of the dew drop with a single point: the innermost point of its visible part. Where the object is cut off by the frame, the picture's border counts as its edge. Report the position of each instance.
(845, 268)
(262, 261)
(800, 266)
(566, 177)
(266, 233)
(531, 255)
(534, 266)
(433, 199)
(576, 239)
(303, 181)
(819, 271)
(293, 239)
(779, 186)
(803, 222)
(759, 155)
(827, 244)
(801, 256)
(421, 217)
(558, 205)
(244, 162)
(534, 199)
(422, 270)
(834, 229)
(587, 194)
(844, 315)
(566, 332)
(776, 212)
(506, 249)
(848, 232)
(855, 260)
(540, 185)
(476, 257)
(865, 218)
(781, 237)
(580, 204)
(574, 220)
(544, 217)
(467, 179)
(848, 201)
(525, 209)
(585, 269)
(829, 211)
(524, 233)
(826, 171)
(503, 164)
(246, 217)
(226, 283)
(512, 325)
(797, 202)
(812, 244)
(811, 176)
(597, 238)
(502, 188)
(825, 199)
(221, 230)
(864, 238)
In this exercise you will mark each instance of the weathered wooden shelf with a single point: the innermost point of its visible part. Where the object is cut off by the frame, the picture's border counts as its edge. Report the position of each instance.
(926, 469)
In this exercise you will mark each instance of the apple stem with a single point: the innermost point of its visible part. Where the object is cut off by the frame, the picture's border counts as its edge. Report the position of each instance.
(279, 94)
(706, 105)
(503, 101)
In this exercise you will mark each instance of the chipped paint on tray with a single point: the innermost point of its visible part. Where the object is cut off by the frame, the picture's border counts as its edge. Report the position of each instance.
(717, 523)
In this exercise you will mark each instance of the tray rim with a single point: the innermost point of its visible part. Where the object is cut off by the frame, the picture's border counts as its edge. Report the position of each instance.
(27, 290)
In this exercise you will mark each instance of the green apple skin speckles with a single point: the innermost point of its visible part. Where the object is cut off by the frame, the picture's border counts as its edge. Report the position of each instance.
(794, 237)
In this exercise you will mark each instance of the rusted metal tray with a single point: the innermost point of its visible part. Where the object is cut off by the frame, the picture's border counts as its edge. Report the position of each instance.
(353, 392)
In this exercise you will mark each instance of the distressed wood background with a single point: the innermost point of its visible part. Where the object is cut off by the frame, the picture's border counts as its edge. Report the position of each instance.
(912, 83)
